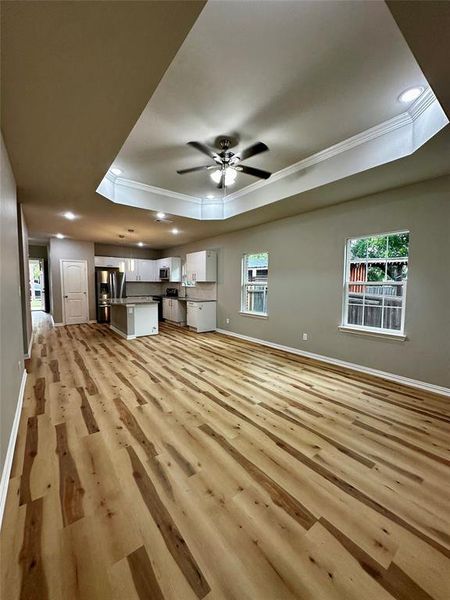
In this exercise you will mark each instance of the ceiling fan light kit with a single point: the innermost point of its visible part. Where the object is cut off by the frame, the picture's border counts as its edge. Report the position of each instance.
(230, 176)
(228, 163)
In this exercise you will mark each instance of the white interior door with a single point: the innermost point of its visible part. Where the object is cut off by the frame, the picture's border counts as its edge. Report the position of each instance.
(74, 291)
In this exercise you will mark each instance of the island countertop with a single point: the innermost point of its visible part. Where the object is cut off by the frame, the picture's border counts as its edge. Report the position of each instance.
(132, 301)
(189, 299)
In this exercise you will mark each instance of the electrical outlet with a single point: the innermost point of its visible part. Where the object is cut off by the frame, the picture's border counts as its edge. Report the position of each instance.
(305, 337)
(227, 321)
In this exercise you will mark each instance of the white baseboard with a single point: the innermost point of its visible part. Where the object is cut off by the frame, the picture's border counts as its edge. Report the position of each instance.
(124, 335)
(57, 324)
(422, 385)
(11, 447)
(30, 346)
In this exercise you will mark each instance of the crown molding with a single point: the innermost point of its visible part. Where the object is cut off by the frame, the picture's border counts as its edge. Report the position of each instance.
(351, 142)
(393, 139)
(408, 117)
(424, 101)
(144, 187)
(110, 177)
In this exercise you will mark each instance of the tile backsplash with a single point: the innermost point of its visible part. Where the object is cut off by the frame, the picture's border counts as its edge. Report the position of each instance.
(202, 291)
(142, 288)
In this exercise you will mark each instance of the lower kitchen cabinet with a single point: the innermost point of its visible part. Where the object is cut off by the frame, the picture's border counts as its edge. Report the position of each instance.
(201, 316)
(174, 310)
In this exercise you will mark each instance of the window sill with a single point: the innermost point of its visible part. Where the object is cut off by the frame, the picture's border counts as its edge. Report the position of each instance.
(254, 315)
(399, 337)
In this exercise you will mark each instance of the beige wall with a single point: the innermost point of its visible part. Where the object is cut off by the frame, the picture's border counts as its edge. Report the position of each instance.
(306, 274)
(70, 250)
(24, 280)
(125, 251)
(11, 341)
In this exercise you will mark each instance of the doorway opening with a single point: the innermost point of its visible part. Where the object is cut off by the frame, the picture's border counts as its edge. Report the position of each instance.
(37, 284)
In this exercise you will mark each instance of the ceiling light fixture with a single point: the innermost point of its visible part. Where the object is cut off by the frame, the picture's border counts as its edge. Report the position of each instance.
(140, 243)
(161, 215)
(60, 236)
(230, 176)
(411, 94)
(175, 231)
(69, 215)
(210, 196)
(116, 171)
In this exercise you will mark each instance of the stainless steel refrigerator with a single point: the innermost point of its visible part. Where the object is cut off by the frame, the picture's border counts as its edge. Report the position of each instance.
(109, 283)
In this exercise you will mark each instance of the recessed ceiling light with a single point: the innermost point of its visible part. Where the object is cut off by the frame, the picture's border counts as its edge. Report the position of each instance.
(210, 196)
(59, 236)
(175, 231)
(161, 215)
(116, 171)
(411, 94)
(140, 243)
(69, 215)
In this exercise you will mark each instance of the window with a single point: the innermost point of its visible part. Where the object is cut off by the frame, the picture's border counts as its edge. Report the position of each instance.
(255, 269)
(376, 272)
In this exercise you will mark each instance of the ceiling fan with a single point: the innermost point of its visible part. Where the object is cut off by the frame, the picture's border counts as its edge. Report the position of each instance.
(227, 163)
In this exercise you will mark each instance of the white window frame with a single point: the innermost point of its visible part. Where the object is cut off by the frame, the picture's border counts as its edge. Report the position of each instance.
(377, 331)
(245, 283)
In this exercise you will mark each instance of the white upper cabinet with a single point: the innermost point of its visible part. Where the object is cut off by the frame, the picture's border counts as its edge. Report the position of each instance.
(140, 269)
(175, 269)
(110, 261)
(173, 263)
(147, 270)
(131, 269)
(143, 269)
(201, 266)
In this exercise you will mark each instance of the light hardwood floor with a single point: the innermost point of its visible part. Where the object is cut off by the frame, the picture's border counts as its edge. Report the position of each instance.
(187, 466)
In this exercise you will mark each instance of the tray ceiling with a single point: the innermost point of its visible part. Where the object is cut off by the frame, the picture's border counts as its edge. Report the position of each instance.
(299, 76)
(79, 77)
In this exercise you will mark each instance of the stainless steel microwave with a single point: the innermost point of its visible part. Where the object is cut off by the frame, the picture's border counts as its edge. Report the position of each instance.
(164, 273)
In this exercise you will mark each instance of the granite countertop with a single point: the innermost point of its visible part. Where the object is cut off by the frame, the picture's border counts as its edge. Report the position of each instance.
(189, 299)
(132, 301)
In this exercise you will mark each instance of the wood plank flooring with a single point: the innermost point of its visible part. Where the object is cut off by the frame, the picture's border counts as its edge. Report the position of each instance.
(186, 466)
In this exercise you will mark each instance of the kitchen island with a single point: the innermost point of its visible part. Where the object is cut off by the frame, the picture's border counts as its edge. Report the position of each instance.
(134, 317)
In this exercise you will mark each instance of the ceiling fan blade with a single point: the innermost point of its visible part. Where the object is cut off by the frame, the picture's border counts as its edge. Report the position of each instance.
(205, 150)
(252, 150)
(255, 172)
(183, 171)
